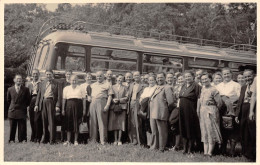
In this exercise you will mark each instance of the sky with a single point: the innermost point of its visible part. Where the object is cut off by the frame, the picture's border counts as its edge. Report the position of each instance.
(51, 6)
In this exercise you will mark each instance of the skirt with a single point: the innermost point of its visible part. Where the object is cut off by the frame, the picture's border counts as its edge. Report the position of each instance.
(73, 115)
(117, 121)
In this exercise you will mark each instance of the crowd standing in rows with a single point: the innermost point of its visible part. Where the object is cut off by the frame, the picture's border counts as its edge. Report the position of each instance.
(201, 112)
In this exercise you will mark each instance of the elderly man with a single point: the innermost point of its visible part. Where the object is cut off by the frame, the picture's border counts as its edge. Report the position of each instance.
(100, 99)
(35, 117)
(229, 92)
(128, 80)
(161, 103)
(47, 102)
(136, 132)
(18, 99)
(247, 126)
(109, 75)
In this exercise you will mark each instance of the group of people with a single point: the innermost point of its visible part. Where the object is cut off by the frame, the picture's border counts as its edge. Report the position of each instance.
(190, 110)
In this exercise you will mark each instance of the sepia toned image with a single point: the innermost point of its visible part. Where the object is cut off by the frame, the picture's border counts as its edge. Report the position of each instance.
(130, 82)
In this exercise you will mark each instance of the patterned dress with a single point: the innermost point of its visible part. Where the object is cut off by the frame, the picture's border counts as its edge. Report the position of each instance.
(209, 115)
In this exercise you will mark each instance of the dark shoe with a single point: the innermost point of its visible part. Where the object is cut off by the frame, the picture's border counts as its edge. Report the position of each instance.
(11, 141)
(184, 152)
(44, 141)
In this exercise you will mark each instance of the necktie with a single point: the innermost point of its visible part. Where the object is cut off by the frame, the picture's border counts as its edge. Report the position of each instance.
(18, 89)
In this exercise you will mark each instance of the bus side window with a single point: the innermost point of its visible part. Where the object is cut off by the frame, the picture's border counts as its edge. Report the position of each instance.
(58, 65)
(43, 56)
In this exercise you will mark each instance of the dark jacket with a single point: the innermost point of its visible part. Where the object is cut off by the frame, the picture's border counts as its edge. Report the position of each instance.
(18, 102)
(40, 95)
(240, 101)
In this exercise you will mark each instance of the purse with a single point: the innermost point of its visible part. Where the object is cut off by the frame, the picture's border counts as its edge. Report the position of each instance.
(83, 127)
(117, 108)
(228, 122)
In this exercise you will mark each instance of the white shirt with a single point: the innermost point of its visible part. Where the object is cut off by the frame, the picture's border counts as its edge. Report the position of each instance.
(101, 90)
(70, 93)
(148, 92)
(84, 88)
(17, 88)
(230, 89)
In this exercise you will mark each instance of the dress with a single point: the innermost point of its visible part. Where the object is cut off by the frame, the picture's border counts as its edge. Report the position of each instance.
(73, 107)
(210, 100)
(188, 120)
(117, 120)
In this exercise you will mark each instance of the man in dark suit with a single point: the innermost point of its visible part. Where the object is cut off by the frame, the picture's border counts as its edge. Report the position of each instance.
(35, 117)
(136, 131)
(247, 126)
(18, 99)
(63, 83)
(46, 101)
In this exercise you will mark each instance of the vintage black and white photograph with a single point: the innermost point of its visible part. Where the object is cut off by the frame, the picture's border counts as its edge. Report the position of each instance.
(130, 82)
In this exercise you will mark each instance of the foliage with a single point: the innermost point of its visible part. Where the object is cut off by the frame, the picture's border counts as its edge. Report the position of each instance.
(234, 22)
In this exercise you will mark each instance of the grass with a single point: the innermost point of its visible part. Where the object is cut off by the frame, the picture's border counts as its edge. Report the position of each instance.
(34, 152)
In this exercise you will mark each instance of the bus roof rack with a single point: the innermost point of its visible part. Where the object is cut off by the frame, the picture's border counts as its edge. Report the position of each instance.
(69, 23)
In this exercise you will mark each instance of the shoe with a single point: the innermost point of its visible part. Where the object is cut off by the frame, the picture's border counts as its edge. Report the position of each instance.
(102, 143)
(119, 143)
(11, 141)
(184, 152)
(175, 148)
(66, 143)
(161, 150)
(134, 142)
(115, 143)
(52, 143)
(76, 143)
(44, 141)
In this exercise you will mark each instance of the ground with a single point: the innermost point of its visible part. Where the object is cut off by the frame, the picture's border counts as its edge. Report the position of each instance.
(33, 152)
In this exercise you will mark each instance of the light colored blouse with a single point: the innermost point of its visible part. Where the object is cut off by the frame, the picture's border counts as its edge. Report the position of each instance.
(148, 92)
(70, 93)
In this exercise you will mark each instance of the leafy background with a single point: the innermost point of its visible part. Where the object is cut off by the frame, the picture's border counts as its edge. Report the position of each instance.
(233, 22)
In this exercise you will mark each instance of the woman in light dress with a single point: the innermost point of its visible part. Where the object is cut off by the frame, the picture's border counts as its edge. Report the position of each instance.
(117, 119)
(208, 113)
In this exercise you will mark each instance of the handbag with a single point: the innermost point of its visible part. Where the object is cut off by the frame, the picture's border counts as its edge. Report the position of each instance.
(228, 122)
(83, 127)
(117, 108)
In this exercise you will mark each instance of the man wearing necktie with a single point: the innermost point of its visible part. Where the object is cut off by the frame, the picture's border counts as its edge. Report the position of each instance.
(160, 105)
(247, 126)
(47, 102)
(18, 99)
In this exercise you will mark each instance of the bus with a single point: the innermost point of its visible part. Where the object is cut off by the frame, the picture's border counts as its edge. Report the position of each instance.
(87, 47)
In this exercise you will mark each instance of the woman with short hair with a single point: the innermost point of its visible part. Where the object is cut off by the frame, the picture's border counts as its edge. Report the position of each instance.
(216, 78)
(208, 112)
(73, 109)
(189, 122)
(117, 112)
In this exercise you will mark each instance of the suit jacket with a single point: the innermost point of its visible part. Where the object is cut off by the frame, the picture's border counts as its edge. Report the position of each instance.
(138, 94)
(161, 103)
(18, 102)
(40, 95)
(61, 85)
(240, 100)
(121, 94)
